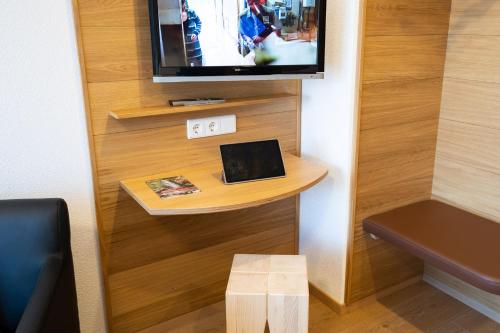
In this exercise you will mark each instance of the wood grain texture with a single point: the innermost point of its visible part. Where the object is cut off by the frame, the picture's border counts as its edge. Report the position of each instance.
(117, 53)
(156, 268)
(108, 96)
(418, 308)
(398, 103)
(403, 64)
(121, 114)
(402, 18)
(281, 279)
(474, 103)
(467, 164)
(471, 145)
(467, 187)
(217, 197)
(113, 13)
(475, 17)
(467, 171)
(288, 302)
(193, 279)
(183, 233)
(402, 58)
(485, 299)
(473, 57)
(378, 266)
(246, 302)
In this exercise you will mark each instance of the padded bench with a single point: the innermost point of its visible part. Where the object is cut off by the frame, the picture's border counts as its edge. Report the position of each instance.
(462, 244)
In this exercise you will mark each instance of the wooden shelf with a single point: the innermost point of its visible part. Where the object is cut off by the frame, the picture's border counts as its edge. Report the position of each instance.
(168, 110)
(217, 197)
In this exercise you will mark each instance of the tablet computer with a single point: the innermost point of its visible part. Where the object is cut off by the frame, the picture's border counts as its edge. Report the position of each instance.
(251, 161)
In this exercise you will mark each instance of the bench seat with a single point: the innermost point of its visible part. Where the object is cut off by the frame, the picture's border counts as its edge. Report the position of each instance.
(462, 244)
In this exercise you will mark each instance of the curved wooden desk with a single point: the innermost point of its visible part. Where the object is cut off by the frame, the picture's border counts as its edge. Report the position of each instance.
(217, 197)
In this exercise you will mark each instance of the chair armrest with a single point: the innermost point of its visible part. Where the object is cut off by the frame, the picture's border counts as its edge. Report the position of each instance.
(38, 306)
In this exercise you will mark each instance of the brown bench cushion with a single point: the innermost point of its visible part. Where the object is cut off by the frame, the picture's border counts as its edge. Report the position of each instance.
(455, 241)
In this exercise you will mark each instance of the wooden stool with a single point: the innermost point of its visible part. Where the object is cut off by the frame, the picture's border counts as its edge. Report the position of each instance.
(246, 302)
(267, 288)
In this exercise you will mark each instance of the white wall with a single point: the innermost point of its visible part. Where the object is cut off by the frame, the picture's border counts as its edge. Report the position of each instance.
(328, 135)
(43, 141)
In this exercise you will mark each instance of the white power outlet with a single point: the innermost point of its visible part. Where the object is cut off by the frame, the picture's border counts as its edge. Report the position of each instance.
(195, 129)
(200, 128)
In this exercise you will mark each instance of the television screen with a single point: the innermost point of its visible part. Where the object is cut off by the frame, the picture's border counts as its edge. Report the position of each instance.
(237, 37)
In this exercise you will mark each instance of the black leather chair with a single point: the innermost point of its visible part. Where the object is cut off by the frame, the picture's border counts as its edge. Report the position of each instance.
(37, 282)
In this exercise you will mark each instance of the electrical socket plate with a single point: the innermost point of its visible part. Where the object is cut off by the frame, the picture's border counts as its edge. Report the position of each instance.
(205, 127)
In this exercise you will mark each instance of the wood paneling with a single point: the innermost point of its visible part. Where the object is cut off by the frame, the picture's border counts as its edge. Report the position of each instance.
(391, 187)
(108, 96)
(473, 103)
(383, 260)
(184, 234)
(194, 278)
(113, 13)
(473, 57)
(395, 102)
(117, 53)
(156, 268)
(395, 143)
(468, 158)
(403, 58)
(464, 186)
(403, 63)
(228, 104)
(467, 172)
(475, 17)
(472, 145)
(404, 18)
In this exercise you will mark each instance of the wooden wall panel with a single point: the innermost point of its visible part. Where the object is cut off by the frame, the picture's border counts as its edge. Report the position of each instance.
(403, 58)
(468, 158)
(396, 102)
(467, 172)
(117, 53)
(472, 103)
(475, 17)
(465, 186)
(113, 13)
(403, 62)
(196, 277)
(156, 268)
(473, 57)
(109, 96)
(404, 18)
(470, 144)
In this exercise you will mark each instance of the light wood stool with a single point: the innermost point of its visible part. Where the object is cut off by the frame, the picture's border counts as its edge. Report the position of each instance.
(268, 288)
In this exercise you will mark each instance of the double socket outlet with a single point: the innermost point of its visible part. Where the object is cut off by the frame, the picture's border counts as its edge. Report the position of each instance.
(201, 128)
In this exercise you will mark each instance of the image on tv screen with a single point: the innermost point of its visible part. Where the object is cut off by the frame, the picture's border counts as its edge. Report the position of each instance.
(197, 33)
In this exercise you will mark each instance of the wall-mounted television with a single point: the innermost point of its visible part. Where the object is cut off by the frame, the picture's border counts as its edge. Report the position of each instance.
(219, 40)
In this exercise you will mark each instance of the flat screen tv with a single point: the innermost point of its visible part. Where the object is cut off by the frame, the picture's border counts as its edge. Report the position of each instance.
(201, 40)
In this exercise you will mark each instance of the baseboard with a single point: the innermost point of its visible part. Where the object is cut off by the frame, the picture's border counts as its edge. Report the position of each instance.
(481, 301)
(326, 299)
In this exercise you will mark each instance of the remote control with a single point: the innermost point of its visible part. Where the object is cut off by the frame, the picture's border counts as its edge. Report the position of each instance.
(198, 101)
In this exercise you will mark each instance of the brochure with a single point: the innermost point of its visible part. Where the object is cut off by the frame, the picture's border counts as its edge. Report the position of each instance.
(172, 187)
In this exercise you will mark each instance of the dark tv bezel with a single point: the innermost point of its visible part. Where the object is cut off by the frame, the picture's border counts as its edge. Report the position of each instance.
(184, 71)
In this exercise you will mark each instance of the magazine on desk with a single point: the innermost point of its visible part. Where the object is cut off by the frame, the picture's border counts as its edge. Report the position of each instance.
(171, 187)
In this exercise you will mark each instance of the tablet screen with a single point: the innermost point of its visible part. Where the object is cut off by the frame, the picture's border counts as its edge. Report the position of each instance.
(252, 161)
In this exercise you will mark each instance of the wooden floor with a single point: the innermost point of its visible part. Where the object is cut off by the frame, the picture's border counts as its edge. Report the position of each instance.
(418, 308)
